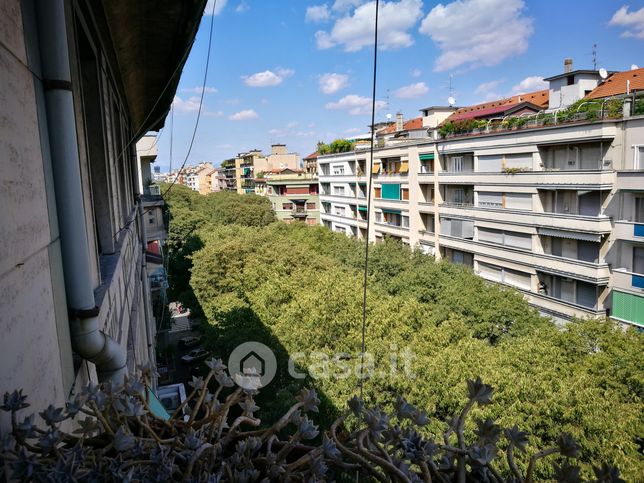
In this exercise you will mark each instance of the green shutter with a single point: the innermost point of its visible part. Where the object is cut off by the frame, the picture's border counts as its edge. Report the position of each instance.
(391, 191)
(427, 157)
(628, 307)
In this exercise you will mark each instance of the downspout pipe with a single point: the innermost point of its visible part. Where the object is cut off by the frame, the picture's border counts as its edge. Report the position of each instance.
(87, 339)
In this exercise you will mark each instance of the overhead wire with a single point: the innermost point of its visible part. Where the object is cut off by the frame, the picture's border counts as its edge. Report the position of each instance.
(366, 249)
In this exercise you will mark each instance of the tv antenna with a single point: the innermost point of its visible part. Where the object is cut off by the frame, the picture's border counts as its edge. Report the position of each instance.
(634, 67)
(451, 101)
(594, 56)
(603, 73)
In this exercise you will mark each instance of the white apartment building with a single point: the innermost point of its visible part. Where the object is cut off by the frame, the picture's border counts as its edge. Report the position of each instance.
(553, 210)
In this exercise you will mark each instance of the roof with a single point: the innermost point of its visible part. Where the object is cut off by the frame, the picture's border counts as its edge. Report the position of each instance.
(149, 44)
(538, 99)
(411, 125)
(313, 155)
(616, 84)
(574, 72)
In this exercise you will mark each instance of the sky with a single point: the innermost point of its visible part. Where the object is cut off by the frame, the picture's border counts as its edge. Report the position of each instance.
(297, 72)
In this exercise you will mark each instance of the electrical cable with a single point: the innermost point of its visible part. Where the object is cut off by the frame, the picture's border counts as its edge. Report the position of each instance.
(366, 250)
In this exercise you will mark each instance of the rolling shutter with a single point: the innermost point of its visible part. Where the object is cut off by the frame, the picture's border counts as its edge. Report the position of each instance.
(518, 201)
(490, 272)
(523, 160)
(516, 279)
(491, 236)
(490, 164)
(490, 200)
(518, 240)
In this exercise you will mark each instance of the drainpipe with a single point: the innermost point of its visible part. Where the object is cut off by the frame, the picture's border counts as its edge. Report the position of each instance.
(87, 340)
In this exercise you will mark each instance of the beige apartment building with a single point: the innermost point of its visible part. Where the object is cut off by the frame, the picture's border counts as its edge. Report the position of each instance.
(241, 171)
(81, 81)
(552, 208)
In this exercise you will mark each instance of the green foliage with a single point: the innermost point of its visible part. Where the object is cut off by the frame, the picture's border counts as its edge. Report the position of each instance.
(299, 290)
(336, 146)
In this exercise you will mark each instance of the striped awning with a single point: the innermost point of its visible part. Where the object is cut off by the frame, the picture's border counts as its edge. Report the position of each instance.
(572, 235)
(362, 208)
(393, 212)
(427, 157)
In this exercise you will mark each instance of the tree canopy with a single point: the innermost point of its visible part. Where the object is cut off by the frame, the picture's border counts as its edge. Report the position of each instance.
(298, 289)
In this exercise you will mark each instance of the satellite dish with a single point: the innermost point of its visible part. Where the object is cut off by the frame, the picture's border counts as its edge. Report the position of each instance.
(634, 67)
(388, 117)
(451, 101)
(602, 73)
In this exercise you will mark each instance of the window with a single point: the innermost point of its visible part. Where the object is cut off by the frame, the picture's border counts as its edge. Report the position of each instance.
(518, 201)
(456, 164)
(639, 210)
(310, 206)
(404, 193)
(378, 217)
(338, 190)
(338, 170)
(377, 192)
(490, 200)
(506, 238)
(638, 260)
(521, 161)
(638, 161)
(405, 222)
(491, 163)
(339, 210)
(287, 206)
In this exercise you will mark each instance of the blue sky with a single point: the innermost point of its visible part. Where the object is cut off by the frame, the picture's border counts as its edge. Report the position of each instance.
(296, 71)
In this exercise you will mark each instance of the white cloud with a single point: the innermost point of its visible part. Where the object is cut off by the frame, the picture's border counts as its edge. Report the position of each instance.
(355, 105)
(213, 113)
(633, 21)
(487, 87)
(332, 83)
(530, 84)
(242, 7)
(189, 105)
(197, 90)
(343, 5)
(318, 13)
(477, 32)
(411, 91)
(245, 115)
(219, 6)
(268, 78)
(356, 31)
(415, 73)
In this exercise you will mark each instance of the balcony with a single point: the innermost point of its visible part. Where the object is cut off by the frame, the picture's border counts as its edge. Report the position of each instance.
(623, 279)
(299, 212)
(566, 267)
(629, 231)
(586, 224)
(596, 179)
(395, 230)
(560, 308)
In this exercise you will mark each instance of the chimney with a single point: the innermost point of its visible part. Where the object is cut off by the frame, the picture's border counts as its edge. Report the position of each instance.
(567, 65)
(399, 122)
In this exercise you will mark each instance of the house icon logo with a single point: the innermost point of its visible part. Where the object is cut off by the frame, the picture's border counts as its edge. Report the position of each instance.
(252, 365)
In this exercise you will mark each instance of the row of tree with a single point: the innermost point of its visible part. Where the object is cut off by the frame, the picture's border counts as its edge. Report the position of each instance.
(429, 327)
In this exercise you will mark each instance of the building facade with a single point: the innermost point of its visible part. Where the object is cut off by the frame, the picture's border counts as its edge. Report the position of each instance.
(74, 284)
(294, 196)
(551, 208)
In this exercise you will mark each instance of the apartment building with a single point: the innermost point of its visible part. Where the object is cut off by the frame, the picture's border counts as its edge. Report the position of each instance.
(81, 82)
(240, 172)
(294, 196)
(550, 206)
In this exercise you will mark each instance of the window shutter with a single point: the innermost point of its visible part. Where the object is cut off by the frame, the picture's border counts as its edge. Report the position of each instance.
(518, 201)
(491, 163)
(491, 236)
(490, 272)
(490, 200)
(518, 240)
(522, 161)
(376, 168)
(516, 279)
(404, 167)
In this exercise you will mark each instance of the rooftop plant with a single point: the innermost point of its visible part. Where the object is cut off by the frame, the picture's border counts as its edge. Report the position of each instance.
(108, 433)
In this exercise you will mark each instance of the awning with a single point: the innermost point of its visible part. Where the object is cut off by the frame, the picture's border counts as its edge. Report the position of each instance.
(376, 168)
(362, 208)
(393, 212)
(572, 235)
(156, 407)
(404, 167)
(427, 157)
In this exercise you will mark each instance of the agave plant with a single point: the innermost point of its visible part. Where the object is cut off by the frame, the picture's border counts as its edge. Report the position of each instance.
(108, 433)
